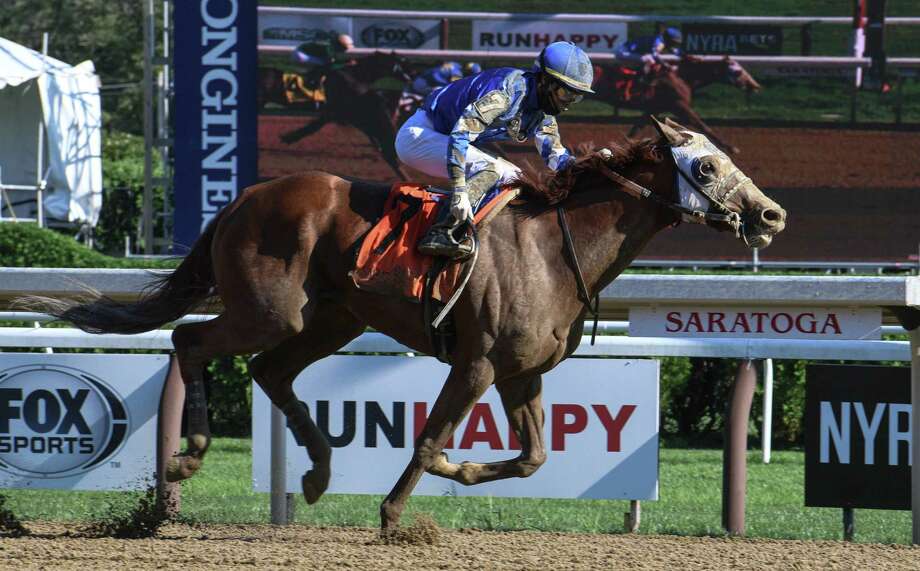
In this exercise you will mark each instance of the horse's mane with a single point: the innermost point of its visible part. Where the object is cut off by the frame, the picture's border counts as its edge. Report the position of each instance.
(554, 187)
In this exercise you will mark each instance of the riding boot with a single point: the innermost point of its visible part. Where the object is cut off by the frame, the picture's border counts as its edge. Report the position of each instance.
(440, 239)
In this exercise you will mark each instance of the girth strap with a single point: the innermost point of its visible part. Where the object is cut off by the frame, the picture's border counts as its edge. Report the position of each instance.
(583, 294)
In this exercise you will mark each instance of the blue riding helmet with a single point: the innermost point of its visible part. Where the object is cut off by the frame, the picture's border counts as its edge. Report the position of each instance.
(449, 71)
(567, 63)
(471, 68)
(673, 35)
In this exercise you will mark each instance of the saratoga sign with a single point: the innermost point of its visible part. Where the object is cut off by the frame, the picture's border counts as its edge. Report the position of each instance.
(762, 322)
(601, 428)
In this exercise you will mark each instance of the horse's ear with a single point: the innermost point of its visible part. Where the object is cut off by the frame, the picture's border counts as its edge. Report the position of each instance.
(670, 131)
(674, 125)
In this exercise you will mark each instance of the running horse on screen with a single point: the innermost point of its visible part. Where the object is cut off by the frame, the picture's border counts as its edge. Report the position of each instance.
(279, 256)
(671, 91)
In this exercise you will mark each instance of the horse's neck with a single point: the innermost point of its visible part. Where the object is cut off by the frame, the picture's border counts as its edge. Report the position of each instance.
(610, 235)
(368, 72)
(698, 75)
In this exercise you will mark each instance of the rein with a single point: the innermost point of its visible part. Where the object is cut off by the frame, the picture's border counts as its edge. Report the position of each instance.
(733, 219)
(632, 188)
(583, 294)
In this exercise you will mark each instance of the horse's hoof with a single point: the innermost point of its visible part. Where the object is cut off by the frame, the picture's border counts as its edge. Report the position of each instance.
(314, 485)
(181, 467)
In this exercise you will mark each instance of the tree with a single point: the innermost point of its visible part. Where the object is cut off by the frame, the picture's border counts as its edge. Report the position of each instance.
(108, 32)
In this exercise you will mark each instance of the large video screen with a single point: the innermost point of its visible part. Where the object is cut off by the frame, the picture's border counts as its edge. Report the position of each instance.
(836, 157)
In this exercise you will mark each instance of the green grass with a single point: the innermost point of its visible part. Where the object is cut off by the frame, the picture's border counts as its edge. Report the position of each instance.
(690, 504)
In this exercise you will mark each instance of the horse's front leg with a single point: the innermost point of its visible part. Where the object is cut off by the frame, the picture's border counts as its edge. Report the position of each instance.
(295, 135)
(465, 384)
(521, 398)
(638, 125)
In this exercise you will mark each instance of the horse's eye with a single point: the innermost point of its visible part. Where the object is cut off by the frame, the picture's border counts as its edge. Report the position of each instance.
(703, 170)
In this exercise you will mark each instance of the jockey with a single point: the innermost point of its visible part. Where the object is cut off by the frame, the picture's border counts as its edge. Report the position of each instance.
(441, 139)
(648, 49)
(326, 49)
(436, 77)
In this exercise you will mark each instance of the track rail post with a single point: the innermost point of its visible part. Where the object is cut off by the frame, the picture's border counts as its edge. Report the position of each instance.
(734, 454)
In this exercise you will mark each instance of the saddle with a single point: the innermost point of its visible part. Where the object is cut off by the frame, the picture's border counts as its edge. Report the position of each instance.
(388, 262)
(630, 85)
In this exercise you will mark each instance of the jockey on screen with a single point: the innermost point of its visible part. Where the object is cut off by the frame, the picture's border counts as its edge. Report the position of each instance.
(435, 77)
(471, 68)
(649, 49)
(496, 104)
(326, 49)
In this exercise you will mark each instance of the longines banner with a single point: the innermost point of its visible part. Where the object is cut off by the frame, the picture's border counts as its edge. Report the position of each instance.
(215, 110)
(285, 28)
(601, 429)
(534, 35)
(79, 422)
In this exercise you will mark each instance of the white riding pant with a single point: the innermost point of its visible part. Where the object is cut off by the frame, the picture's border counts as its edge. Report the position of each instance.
(421, 147)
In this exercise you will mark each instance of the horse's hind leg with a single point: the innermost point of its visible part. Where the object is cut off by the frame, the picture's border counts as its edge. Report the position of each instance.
(327, 329)
(246, 326)
(521, 398)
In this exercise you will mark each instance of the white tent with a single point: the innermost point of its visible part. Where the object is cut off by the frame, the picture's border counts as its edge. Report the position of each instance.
(35, 90)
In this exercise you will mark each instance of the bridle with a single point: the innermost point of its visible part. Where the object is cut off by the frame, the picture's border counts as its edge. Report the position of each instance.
(717, 194)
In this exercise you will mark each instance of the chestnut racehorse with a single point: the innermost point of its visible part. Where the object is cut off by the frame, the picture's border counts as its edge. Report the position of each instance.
(278, 259)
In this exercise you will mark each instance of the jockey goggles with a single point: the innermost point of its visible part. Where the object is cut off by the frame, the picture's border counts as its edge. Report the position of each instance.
(564, 94)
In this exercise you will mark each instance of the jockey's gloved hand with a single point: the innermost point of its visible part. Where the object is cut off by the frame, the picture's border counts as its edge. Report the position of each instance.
(605, 153)
(460, 206)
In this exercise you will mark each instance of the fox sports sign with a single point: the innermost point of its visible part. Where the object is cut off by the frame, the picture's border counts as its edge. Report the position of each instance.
(56, 421)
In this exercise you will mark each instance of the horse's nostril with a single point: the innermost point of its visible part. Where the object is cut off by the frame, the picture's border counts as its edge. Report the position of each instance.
(771, 216)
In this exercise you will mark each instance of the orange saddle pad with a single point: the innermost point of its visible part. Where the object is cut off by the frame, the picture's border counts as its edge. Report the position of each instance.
(388, 261)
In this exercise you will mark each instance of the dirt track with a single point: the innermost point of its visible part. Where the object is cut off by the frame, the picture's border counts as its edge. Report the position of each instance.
(224, 546)
(850, 194)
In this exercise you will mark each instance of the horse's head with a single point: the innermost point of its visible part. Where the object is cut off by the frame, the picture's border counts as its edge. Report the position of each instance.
(738, 76)
(709, 183)
(384, 64)
(399, 66)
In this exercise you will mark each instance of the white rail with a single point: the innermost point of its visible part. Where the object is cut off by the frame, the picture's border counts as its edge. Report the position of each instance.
(612, 346)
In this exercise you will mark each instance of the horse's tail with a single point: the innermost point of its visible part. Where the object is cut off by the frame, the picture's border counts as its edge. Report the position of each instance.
(167, 298)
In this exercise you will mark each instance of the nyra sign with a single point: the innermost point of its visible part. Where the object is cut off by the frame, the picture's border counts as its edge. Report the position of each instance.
(857, 436)
(79, 421)
(763, 322)
(601, 428)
